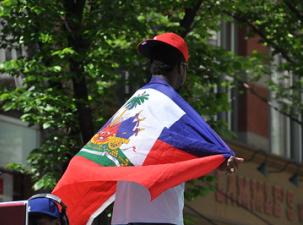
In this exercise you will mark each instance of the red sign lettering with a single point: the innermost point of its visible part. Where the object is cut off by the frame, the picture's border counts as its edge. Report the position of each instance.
(290, 206)
(300, 212)
(272, 200)
(231, 189)
(278, 194)
(268, 204)
(257, 196)
(243, 190)
(220, 185)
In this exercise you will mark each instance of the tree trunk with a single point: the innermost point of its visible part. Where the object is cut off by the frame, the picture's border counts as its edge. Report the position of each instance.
(81, 96)
(189, 16)
(73, 20)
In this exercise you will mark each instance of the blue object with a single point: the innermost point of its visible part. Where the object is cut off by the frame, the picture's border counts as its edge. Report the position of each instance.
(44, 206)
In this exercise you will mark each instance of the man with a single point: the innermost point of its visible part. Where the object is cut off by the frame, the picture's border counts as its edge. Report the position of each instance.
(145, 152)
(168, 53)
(46, 209)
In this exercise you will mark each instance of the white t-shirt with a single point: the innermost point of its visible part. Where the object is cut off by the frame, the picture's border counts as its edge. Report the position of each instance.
(133, 205)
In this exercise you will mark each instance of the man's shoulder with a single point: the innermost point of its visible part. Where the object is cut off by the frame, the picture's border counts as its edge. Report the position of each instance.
(164, 89)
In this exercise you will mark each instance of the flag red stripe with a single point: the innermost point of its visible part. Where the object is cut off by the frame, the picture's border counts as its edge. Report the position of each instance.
(84, 198)
(163, 153)
(85, 186)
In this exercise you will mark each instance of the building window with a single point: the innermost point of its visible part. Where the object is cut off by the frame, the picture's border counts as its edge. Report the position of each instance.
(226, 39)
(6, 55)
(286, 134)
(16, 140)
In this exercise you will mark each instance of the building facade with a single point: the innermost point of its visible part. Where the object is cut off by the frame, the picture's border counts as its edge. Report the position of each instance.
(268, 189)
(17, 139)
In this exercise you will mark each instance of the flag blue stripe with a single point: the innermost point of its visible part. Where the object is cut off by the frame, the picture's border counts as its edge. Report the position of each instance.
(186, 138)
(191, 133)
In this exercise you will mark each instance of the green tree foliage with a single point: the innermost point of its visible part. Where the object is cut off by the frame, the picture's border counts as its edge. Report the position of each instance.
(279, 25)
(77, 51)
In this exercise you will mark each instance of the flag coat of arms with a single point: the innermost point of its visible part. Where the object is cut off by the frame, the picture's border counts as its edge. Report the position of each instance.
(155, 139)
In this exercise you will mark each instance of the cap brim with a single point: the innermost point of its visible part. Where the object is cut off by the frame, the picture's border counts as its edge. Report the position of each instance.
(155, 49)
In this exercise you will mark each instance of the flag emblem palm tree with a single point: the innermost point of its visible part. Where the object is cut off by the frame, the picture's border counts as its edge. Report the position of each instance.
(137, 100)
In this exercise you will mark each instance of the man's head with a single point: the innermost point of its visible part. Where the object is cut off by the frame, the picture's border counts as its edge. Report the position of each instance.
(168, 53)
(44, 211)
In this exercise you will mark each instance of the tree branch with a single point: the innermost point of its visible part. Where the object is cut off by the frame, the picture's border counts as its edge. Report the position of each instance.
(265, 100)
(73, 15)
(293, 9)
(258, 31)
(188, 19)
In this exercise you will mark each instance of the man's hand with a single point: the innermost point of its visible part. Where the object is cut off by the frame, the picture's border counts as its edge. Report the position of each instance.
(231, 164)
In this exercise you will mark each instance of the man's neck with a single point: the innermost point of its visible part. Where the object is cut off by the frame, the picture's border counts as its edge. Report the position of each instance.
(169, 79)
(161, 77)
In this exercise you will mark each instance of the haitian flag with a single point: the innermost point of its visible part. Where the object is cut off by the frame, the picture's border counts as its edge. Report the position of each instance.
(155, 139)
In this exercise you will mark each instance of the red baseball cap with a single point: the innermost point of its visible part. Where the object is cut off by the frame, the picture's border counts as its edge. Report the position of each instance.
(169, 44)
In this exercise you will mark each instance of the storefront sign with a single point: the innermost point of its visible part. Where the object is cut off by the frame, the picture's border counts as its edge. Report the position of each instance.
(258, 196)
